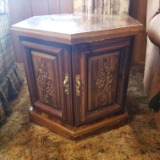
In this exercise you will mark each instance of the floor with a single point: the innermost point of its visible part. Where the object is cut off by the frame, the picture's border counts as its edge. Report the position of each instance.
(139, 139)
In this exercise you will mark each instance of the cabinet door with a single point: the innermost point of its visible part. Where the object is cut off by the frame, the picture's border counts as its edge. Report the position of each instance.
(48, 72)
(100, 72)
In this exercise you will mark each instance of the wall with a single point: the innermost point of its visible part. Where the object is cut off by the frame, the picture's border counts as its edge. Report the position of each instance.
(23, 9)
(139, 8)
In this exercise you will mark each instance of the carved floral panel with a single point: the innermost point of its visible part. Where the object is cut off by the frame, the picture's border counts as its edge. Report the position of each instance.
(102, 80)
(46, 75)
(44, 81)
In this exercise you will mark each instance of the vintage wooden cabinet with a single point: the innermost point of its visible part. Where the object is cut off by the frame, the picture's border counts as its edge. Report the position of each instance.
(77, 68)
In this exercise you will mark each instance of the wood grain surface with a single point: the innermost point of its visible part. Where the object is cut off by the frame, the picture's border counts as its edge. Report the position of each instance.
(78, 28)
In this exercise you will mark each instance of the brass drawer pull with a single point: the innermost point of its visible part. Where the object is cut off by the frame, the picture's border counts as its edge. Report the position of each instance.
(78, 85)
(66, 84)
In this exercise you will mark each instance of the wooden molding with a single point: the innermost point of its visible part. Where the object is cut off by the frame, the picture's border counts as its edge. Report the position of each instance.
(75, 133)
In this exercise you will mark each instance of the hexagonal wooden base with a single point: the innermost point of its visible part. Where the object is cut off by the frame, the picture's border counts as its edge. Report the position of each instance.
(77, 133)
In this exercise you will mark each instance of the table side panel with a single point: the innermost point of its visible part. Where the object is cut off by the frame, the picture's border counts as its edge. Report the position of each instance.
(101, 67)
(47, 68)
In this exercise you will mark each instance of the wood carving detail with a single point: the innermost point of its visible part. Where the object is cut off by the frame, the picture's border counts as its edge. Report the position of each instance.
(66, 84)
(78, 85)
(45, 82)
(104, 83)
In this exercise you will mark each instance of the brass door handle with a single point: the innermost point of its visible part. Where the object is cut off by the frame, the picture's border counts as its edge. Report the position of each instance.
(66, 84)
(78, 85)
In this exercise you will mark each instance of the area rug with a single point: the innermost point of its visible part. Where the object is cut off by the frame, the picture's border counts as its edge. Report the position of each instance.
(139, 139)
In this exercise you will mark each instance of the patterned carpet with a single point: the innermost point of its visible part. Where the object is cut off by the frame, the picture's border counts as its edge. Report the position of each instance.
(138, 140)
